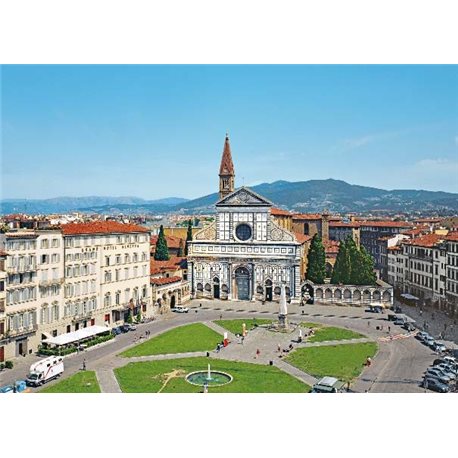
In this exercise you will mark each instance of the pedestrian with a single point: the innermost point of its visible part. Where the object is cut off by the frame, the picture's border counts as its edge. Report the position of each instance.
(200, 305)
(278, 348)
(258, 352)
(221, 316)
(243, 338)
(389, 329)
(348, 387)
(368, 323)
(84, 364)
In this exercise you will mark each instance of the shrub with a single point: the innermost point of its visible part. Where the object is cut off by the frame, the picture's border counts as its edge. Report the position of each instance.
(2, 366)
(9, 364)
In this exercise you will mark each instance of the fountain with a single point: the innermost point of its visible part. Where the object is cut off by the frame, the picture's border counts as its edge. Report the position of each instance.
(208, 378)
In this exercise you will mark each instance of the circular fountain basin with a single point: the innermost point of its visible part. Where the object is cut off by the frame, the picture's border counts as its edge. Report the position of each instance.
(200, 378)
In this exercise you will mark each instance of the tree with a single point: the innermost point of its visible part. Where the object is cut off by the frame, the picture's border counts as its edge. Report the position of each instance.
(316, 266)
(188, 237)
(342, 268)
(181, 249)
(369, 277)
(162, 251)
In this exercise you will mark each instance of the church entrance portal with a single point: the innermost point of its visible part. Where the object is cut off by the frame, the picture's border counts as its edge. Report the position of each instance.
(242, 279)
(269, 295)
(216, 294)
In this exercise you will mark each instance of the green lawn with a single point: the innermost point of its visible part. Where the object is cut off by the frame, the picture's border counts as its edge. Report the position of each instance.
(330, 333)
(342, 361)
(235, 326)
(150, 376)
(188, 338)
(82, 382)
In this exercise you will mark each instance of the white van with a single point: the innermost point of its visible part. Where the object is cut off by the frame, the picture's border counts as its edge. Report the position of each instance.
(180, 309)
(328, 385)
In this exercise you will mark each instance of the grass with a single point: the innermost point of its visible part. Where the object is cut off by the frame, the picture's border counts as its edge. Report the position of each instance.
(342, 361)
(148, 377)
(82, 382)
(235, 326)
(330, 333)
(189, 338)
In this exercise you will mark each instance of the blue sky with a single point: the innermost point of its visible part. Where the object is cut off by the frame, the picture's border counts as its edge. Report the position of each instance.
(156, 131)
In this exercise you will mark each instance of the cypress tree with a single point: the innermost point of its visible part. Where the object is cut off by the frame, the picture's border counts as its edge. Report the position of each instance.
(342, 267)
(356, 263)
(162, 251)
(369, 277)
(181, 249)
(188, 237)
(316, 267)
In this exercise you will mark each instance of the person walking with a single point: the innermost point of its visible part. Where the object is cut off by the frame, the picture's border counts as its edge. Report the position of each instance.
(278, 348)
(84, 364)
(258, 352)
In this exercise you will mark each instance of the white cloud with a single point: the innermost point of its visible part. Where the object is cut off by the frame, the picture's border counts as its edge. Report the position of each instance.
(438, 165)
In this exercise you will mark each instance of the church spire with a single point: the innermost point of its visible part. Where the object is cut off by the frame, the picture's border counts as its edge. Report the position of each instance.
(226, 171)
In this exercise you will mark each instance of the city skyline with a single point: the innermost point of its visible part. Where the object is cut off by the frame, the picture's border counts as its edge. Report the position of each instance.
(158, 131)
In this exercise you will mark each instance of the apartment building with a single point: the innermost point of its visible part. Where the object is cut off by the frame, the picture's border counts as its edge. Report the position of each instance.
(106, 272)
(3, 323)
(451, 241)
(61, 280)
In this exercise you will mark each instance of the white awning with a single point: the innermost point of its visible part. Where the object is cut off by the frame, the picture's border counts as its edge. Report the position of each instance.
(409, 296)
(76, 336)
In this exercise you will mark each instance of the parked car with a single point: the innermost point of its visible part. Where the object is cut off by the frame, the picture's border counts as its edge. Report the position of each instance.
(428, 341)
(435, 385)
(133, 327)
(439, 374)
(125, 327)
(180, 309)
(391, 317)
(397, 309)
(446, 369)
(437, 346)
(409, 326)
(400, 320)
(116, 331)
(375, 309)
(422, 335)
(450, 359)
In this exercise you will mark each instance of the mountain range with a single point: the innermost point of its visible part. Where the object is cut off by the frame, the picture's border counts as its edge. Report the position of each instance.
(302, 196)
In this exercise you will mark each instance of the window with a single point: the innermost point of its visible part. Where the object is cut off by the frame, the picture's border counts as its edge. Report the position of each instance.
(243, 232)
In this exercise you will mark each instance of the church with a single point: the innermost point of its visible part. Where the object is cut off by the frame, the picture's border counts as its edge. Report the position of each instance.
(244, 254)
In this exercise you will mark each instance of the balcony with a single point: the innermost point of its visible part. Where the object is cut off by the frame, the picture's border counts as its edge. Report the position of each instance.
(21, 269)
(83, 316)
(13, 333)
(52, 281)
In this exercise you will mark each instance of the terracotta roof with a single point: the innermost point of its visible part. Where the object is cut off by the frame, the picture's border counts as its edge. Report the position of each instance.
(165, 280)
(279, 212)
(416, 231)
(226, 167)
(302, 238)
(426, 241)
(394, 248)
(453, 236)
(385, 223)
(172, 241)
(174, 263)
(101, 227)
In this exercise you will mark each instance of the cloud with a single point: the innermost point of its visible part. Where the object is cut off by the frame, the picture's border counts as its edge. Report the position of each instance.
(440, 165)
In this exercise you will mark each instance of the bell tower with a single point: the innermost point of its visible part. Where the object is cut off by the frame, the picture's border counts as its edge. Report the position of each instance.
(226, 171)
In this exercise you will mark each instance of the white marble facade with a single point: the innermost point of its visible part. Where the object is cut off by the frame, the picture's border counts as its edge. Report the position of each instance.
(244, 254)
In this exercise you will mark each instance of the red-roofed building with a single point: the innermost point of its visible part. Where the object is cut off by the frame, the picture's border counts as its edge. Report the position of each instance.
(169, 283)
(173, 244)
(101, 227)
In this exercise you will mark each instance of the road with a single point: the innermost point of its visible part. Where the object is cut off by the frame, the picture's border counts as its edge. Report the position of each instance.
(397, 368)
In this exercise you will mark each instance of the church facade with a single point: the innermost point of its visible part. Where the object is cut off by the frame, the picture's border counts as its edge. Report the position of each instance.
(244, 254)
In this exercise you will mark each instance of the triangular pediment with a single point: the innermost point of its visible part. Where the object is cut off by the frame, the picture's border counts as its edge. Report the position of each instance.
(244, 197)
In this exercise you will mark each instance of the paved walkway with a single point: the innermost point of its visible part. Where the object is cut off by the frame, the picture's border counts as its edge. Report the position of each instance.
(107, 381)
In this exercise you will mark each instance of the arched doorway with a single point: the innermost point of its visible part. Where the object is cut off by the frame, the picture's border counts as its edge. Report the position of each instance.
(269, 295)
(172, 301)
(242, 280)
(216, 294)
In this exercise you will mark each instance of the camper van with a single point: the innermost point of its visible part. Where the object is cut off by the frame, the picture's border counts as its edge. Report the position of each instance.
(45, 370)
